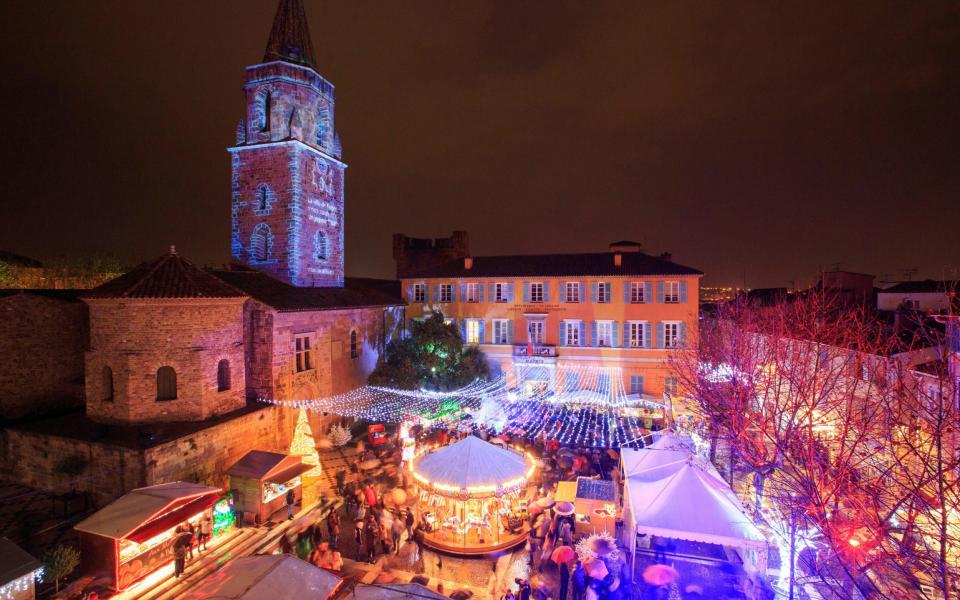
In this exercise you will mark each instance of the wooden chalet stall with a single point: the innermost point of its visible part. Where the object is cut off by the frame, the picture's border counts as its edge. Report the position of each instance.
(260, 481)
(134, 536)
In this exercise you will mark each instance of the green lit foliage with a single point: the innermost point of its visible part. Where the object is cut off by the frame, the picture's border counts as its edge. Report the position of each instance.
(432, 356)
(60, 562)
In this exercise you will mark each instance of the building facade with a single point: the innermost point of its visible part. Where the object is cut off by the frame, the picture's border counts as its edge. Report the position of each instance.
(553, 322)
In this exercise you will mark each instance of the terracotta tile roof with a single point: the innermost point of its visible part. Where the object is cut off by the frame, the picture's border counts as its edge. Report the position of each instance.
(284, 297)
(558, 265)
(169, 276)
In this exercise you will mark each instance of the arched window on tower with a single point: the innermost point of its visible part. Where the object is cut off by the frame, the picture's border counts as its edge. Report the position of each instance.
(107, 384)
(263, 110)
(166, 383)
(260, 242)
(223, 375)
(320, 244)
(354, 350)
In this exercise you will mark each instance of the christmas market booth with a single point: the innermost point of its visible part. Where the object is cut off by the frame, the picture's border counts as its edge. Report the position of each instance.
(134, 536)
(18, 572)
(469, 496)
(268, 576)
(260, 481)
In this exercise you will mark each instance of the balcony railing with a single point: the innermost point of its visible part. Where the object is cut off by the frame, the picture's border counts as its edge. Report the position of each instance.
(543, 350)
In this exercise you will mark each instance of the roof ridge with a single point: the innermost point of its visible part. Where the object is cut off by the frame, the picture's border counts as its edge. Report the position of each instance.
(157, 264)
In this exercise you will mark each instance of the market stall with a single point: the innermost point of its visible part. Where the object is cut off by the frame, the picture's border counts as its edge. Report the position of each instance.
(469, 496)
(261, 481)
(395, 591)
(595, 504)
(691, 504)
(134, 536)
(18, 572)
(268, 576)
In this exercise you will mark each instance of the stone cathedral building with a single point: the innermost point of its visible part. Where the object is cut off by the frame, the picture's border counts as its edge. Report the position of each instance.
(173, 357)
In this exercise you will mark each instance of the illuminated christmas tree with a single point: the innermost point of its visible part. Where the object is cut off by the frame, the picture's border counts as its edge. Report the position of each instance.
(304, 446)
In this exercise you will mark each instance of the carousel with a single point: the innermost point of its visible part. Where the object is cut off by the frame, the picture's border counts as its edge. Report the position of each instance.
(470, 496)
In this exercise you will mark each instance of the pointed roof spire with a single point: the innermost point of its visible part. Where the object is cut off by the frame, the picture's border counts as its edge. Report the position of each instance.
(290, 37)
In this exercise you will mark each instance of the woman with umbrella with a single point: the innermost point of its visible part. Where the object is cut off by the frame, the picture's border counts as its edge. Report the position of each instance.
(562, 556)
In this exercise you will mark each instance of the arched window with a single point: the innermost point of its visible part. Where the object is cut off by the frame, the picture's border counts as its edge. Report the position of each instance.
(166, 383)
(320, 244)
(263, 110)
(354, 351)
(223, 375)
(260, 242)
(107, 384)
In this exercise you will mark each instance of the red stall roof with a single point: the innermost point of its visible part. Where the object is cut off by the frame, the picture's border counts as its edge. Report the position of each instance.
(268, 466)
(144, 509)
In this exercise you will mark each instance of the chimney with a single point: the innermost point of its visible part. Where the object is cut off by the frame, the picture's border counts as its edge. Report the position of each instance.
(617, 259)
(467, 262)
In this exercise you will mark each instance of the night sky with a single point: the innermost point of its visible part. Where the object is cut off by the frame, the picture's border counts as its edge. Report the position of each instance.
(767, 139)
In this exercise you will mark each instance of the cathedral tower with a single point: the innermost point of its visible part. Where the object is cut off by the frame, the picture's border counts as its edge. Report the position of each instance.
(287, 176)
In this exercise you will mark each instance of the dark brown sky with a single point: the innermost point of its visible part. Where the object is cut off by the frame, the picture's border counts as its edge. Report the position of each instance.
(770, 138)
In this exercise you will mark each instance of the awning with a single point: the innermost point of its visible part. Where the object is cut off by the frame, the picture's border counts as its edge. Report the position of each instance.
(288, 474)
(173, 518)
(133, 510)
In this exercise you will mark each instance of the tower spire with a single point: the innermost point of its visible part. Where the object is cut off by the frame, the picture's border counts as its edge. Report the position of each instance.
(290, 37)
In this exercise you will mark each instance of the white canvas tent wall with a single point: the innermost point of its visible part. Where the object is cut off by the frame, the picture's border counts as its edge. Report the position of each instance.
(691, 504)
(268, 577)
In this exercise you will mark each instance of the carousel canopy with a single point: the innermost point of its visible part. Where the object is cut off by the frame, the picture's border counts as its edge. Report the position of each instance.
(395, 591)
(129, 512)
(264, 576)
(691, 504)
(472, 463)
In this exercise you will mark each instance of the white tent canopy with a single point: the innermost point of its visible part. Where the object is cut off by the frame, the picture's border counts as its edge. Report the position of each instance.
(395, 591)
(670, 440)
(128, 512)
(472, 462)
(649, 464)
(267, 577)
(691, 504)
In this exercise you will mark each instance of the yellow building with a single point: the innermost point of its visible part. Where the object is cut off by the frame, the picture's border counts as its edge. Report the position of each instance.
(550, 321)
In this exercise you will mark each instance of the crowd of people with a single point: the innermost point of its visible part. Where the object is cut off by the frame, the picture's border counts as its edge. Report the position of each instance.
(187, 538)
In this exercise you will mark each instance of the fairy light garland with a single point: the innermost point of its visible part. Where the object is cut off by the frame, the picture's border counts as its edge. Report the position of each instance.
(589, 407)
(20, 585)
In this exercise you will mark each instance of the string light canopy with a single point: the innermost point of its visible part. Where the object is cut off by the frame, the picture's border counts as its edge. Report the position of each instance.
(588, 406)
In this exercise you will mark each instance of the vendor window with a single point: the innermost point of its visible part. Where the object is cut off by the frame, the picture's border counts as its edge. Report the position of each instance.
(302, 345)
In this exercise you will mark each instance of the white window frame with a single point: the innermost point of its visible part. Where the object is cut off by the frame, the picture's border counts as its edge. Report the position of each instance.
(573, 292)
(445, 294)
(420, 292)
(638, 292)
(501, 335)
(671, 292)
(541, 327)
(608, 326)
(671, 339)
(636, 330)
(603, 292)
(670, 386)
(500, 292)
(303, 353)
(642, 382)
(471, 292)
(536, 292)
(571, 332)
(472, 328)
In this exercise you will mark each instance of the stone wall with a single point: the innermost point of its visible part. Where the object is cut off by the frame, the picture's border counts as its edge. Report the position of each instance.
(135, 338)
(42, 340)
(416, 255)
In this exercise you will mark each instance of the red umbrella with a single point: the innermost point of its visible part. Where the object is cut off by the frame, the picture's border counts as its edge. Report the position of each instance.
(596, 568)
(660, 574)
(563, 554)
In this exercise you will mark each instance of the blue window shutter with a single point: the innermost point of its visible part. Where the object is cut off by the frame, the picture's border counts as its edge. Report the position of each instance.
(463, 329)
(593, 333)
(481, 333)
(583, 291)
(648, 292)
(563, 335)
(410, 293)
(682, 333)
(546, 292)
(583, 333)
(492, 292)
(660, 292)
(453, 292)
(436, 293)
(509, 331)
(510, 292)
(480, 287)
(626, 292)
(593, 291)
(526, 292)
(683, 292)
(563, 292)
(626, 335)
(659, 335)
(615, 332)
(608, 288)
(463, 292)
(647, 336)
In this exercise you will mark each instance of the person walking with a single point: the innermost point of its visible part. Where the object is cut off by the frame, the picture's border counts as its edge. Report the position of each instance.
(408, 519)
(291, 500)
(333, 528)
(564, 581)
(358, 539)
(579, 580)
(179, 557)
(370, 531)
(206, 529)
(190, 541)
(396, 532)
(286, 546)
